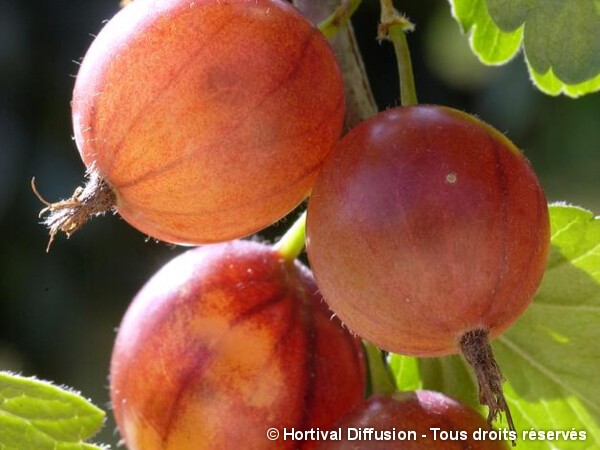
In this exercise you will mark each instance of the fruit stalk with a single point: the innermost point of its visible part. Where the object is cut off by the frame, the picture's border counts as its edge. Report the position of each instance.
(380, 379)
(475, 347)
(338, 19)
(292, 242)
(393, 27)
(95, 199)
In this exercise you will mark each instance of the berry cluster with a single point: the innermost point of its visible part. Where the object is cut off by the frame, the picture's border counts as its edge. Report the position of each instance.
(204, 122)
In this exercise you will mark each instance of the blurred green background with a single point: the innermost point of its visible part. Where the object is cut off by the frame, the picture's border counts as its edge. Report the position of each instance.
(59, 311)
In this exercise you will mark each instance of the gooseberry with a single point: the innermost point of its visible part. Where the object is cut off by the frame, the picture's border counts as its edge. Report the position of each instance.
(421, 420)
(202, 121)
(225, 342)
(428, 233)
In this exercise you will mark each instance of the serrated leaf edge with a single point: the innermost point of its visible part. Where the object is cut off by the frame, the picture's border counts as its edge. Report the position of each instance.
(63, 389)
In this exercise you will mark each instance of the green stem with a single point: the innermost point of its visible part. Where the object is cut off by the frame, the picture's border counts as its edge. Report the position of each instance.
(336, 21)
(380, 377)
(393, 27)
(292, 243)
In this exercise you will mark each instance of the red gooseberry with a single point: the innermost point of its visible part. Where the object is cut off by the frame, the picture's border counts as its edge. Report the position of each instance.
(421, 420)
(202, 121)
(225, 342)
(428, 233)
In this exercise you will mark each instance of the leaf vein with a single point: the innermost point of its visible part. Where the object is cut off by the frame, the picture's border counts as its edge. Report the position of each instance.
(591, 252)
(578, 308)
(548, 373)
(563, 229)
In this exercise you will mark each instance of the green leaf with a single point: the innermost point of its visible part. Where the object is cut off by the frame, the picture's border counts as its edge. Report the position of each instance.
(490, 44)
(561, 39)
(551, 356)
(551, 85)
(37, 415)
(405, 371)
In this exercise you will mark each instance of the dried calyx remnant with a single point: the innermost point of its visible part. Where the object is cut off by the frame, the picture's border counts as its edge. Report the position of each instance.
(95, 198)
(476, 348)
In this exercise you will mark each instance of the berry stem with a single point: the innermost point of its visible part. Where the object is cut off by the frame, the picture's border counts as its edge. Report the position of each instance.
(292, 243)
(336, 21)
(380, 378)
(476, 348)
(393, 27)
(94, 199)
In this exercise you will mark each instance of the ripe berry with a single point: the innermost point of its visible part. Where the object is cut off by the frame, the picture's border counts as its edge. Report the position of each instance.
(436, 421)
(225, 342)
(202, 121)
(428, 232)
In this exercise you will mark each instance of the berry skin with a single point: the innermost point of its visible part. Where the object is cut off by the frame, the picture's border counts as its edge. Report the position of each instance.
(225, 342)
(205, 120)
